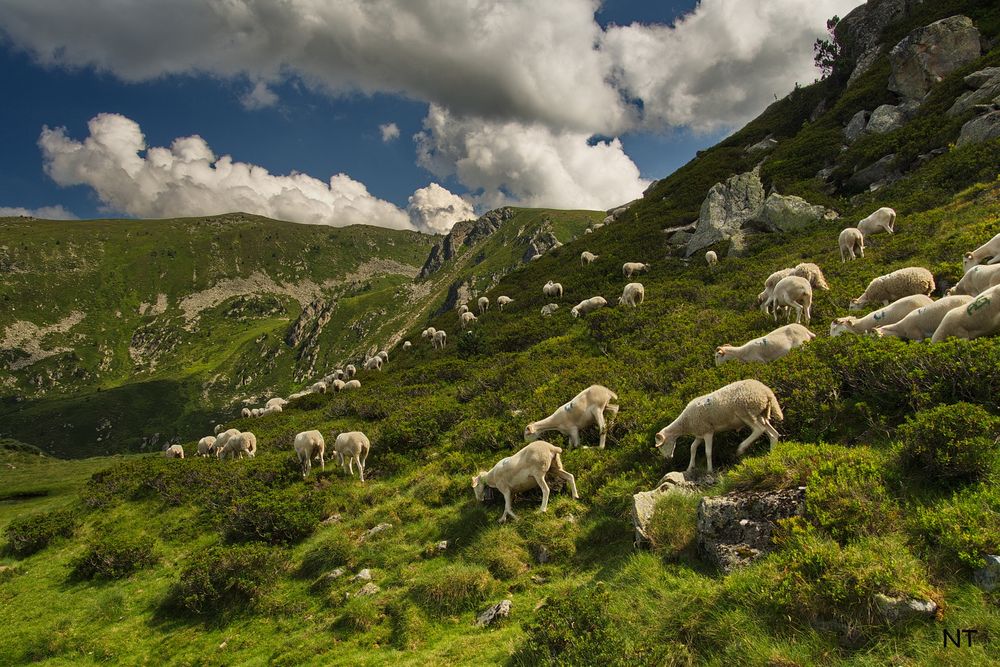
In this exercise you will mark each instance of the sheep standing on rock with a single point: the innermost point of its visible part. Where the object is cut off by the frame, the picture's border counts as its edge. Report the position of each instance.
(883, 219)
(812, 273)
(553, 289)
(309, 445)
(711, 258)
(891, 314)
(632, 295)
(585, 409)
(174, 452)
(743, 403)
(440, 340)
(524, 470)
(503, 301)
(921, 323)
(588, 306)
(852, 244)
(988, 251)
(629, 269)
(549, 308)
(893, 286)
(976, 280)
(792, 292)
(352, 384)
(484, 304)
(206, 445)
(587, 258)
(980, 317)
(767, 348)
(352, 447)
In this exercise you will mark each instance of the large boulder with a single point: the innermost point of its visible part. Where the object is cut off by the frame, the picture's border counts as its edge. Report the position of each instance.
(784, 213)
(859, 31)
(984, 88)
(930, 53)
(980, 129)
(876, 175)
(726, 209)
(856, 126)
(766, 144)
(735, 529)
(886, 118)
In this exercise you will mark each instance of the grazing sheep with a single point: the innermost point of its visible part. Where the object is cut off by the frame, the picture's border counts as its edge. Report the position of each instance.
(503, 301)
(318, 388)
(271, 410)
(743, 403)
(772, 281)
(338, 385)
(206, 445)
(921, 323)
(429, 332)
(462, 309)
(632, 295)
(553, 289)
(524, 470)
(256, 411)
(891, 314)
(587, 258)
(988, 251)
(174, 452)
(350, 371)
(812, 273)
(352, 447)
(440, 340)
(244, 443)
(280, 402)
(767, 348)
(852, 244)
(407, 345)
(245, 412)
(467, 320)
(222, 438)
(352, 384)
(383, 355)
(977, 279)
(309, 445)
(980, 317)
(292, 397)
(588, 306)
(711, 258)
(629, 269)
(584, 409)
(893, 286)
(484, 304)
(219, 428)
(373, 364)
(792, 292)
(883, 219)
(549, 308)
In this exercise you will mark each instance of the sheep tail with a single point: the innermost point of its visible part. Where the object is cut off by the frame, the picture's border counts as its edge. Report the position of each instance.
(773, 409)
(614, 396)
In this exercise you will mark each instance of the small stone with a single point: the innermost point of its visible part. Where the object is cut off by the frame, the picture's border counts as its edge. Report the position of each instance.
(363, 575)
(334, 574)
(988, 577)
(369, 589)
(542, 555)
(442, 545)
(381, 528)
(332, 519)
(224, 644)
(494, 614)
(538, 579)
(898, 609)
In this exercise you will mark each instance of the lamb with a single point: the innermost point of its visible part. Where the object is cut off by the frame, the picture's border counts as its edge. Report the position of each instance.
(280, 402)
(309, 445)
(743, 403)
(440, 340)
(467, 319)
(352, 384)
(629, 269)
(632, 295)
(891, 314)
(767, 348)
(981, 317)
(174, 452)
(484, 304)
(429, 332)
(852, 244)
(271, 410)
(255, 412)
(588, 306)
(792, 292)
(524, 470)
(318, 387)
(892, 286)
(883, 219)
(549, 308)
(503, 301)
(206, 445)
(407, 345)
(812, 273)
(584, 409)
(711, 258)
(219, 428)
(921, 323)
(352, 447)
(338, 385)
(553, 289)
(989, 251)
(222, 439)
(772, 281)
(587, 258)
(350, 371)
(373, 364)
(976, 280)
(245, 412)
(244, 443)
(462, 309)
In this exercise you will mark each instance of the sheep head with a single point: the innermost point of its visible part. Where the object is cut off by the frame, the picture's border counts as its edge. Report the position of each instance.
(842, 325)
(857, 304)
(479, 485)
(531, 433)
(666, 442)
(720, 354)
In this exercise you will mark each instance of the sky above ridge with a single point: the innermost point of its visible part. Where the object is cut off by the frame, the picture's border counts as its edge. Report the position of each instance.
(410, 114)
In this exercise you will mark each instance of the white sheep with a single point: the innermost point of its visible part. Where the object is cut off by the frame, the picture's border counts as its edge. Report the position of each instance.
(584, 409)
(174, 452)
(588, 306)
(891, 314)
(632, 295)
(711, 258)
(309, 445)
(852, 244)
(352, 447)
(791, 292)
(383, 355)
(467, 320)
(772, 281)
(484, 304)
(977, 280)
(271, 410)
(352, 384)
(240, 445)
(549, 308)
(893, 286)
(255, 412)
(292, 397)
(503, 301)
(407, 345)
(629, 269)
(338, 385)
(206, 445)
(812, 273)
(921, 323)
(883, 219)
(588, 258)
(222, 439)
(245, 412)
(440, 340)
(524, 470)
(219, 428)
(553, 289)
(318, 388)
(429, 332)
(980, 317)
(350, 371)
(373, 364)
(280, 402)
(767, 348)
(988, 251)
(743, 403)
(462, 309)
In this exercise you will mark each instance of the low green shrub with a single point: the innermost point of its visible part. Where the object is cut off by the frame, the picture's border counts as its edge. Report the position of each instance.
(219, 579)
(491, 434)
(333, 548)
(115, 556)
(407, 625)
(964, 528)
(501, 550)
(283, 516)
(789, 465)
(30, 534)
(452, 588)
(846, 496)
(362, 613)
(674, 524)
(549, 538)
(952, 443)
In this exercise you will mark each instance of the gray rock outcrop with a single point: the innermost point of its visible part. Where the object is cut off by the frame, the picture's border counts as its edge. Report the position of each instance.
(726, 209)
(766, 144)
(895, 609)
(785, 213)
(856, 126)
(928, 54)
(464, 233)
(886, 118)
(859, 31)
(494, 614)
(876, 175)
(984, 88)
(541, 242)
(980, 129)
(988, 576)
(644, 502)
(735, 529)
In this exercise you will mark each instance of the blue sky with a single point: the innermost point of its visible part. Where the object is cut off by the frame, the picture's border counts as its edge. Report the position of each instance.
(325, 115)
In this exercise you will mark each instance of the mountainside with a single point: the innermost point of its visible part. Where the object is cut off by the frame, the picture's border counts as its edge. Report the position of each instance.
(870, 529)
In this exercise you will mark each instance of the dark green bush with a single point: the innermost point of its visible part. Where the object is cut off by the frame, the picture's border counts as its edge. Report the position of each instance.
(282, 516)
(452, 588)
(220, 579)
(491, 434)
(30, 534)
(846, 495)
(952, 443)
(964, 528)
(114, 556)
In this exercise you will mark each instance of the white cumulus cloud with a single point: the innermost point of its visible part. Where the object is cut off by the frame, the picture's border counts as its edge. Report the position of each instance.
(435, 209)
(390, 132)
(259, 97)
(44, 212)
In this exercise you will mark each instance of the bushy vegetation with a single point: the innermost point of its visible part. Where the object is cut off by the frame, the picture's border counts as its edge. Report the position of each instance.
(452, 588)
(219, 579)
(115, 555)
(952, 443)
(30, 534)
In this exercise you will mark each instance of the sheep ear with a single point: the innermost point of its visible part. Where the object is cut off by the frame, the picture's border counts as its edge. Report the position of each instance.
(968, 255)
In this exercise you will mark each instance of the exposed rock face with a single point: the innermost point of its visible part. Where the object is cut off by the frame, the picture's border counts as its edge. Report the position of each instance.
(901, 609)
(494, 614)
(886, 118)
(984, 88)
(735, 529)
(856, 126)
(980, 129)
(467, 232)
(644, 502)
(860, 30)
(766, 144)
(928, 54)
(876, 175)
(783, 213)
(988, 577)
(304, 334)
(726, 209)
(541, 242)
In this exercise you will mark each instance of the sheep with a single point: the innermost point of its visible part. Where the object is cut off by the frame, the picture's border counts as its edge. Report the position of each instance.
(245, 412)
(989, 251)
(792, 292)
(553, 289)
(318, 388)
(280, 402)
(883, 219)
(462, 309)
(584, 409)
(503, 301)
(812, 273)
(429, 332)
(711, 258)
(440, 340)
(629, 269)
(587, 258)
(222, 439)
(309, 445)
(743, 403)
(852, 244)
(524, 470)
(549, 308)
(407, 345)
(174, 452)
(632, 295)
(383, 355)
(588, 306)
(352, 384)
(373, 364)
(484, 304)
(271, 410)
(467, 320)
(921, 323)
(352, 447)
(767, 348)
(219, 428)
(891, 314)
(350, 371)
(243, 443)
(206, 445)
(976, 280)
(338, 385)
(772, 281)
(981, 317)
(292, 397)
(892, 286)
(255, 412)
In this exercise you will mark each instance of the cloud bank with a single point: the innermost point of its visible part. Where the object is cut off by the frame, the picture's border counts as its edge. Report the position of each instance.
(43, 212)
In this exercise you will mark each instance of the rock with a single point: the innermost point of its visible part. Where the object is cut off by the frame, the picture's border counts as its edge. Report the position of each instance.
(369, 589)
(988, 577)
(644, 502)
(465, 233)
(679, 239)
(856, 126)
(980, 129)
(726, 209)
(766, 144)
(863, 64)
(738, 245)
(825, 173)
(930, 53)
(901, 609)
(336, 573)
(783, 213)
(363, 575)
(442, 545)
(878, 173)
(735, 529)
(885, 118)
(542, 555)
(494, 614)
(381, 528)
(982, 77)
(330, 520)
(541, 242)
(984, 88)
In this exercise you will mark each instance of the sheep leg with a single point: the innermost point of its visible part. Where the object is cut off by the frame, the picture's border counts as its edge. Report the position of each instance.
(569, 480)
(322, 463)
(540, 479)
(574, 436)
(861, 249)
(361, 468)
(708, 450)
(350, 465)
(994, 260)
(694, 452)
(772, 433)
(758, 430)
(507, 506)
(364, 458)
(601, 426)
